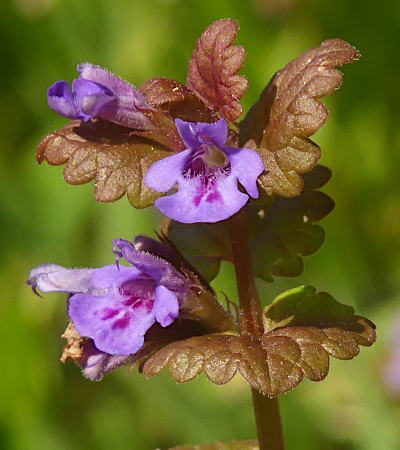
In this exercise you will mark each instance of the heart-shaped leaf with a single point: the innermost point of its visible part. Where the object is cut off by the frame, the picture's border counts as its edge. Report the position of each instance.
(283, 356)
(289, 112)
(214, 66)
(280, 233)
(104, 152)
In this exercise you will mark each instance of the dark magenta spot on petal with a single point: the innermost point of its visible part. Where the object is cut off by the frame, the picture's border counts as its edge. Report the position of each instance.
(122, 323)
(131, 301)
(109, 313)
(148, 304)
(200, 194)
(213, 196)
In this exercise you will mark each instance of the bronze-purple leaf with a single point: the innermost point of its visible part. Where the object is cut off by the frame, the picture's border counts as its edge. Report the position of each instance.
(273, 365)
(106, 153)
(277, 361)
(176, 99)
(163, 132)
(214, 66)
(289, 111)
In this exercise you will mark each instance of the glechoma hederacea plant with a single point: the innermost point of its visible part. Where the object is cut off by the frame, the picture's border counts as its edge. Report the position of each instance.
(245, 192)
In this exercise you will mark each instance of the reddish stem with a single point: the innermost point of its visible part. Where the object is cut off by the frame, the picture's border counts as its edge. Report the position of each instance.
(266, 410)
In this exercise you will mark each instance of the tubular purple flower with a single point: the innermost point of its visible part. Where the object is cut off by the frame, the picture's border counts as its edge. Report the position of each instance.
(207, 173)
(115, 305)
(99, 93)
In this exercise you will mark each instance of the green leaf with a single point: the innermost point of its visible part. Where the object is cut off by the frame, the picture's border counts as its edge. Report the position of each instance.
(204, 245)
(302, 306)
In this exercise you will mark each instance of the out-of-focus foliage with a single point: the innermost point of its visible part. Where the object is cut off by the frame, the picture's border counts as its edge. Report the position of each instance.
(46, 405)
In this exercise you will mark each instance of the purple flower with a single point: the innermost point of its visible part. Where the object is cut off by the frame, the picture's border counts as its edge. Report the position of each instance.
(99, 93)
(96, 364)
(207, 174)
(115, 305)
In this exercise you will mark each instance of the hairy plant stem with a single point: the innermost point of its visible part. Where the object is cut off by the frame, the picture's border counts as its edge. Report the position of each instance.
(266, 410)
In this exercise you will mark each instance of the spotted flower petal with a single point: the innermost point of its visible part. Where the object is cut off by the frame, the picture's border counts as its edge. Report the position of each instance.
(116, 324)
(115, 305)
(197, 201)
(207, 174)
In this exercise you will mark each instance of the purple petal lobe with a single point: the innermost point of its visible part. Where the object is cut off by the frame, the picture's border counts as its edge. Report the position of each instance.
(128, 101)
(166, 306)
(194, 134)
(60, 99)
(217, 132)
(96, 364)
(196, 201)
(119, 87)
(109, 276)
(116, 334)
(163, 174)
(90, 98)
(247, 165)
(159, 269)
(54, 278)
(187, 132)
(145, 262)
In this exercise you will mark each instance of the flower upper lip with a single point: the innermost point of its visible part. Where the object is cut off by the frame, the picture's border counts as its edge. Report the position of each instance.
(99, 93)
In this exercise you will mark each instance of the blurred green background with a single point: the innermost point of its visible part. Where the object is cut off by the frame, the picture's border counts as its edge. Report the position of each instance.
(47, 405)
